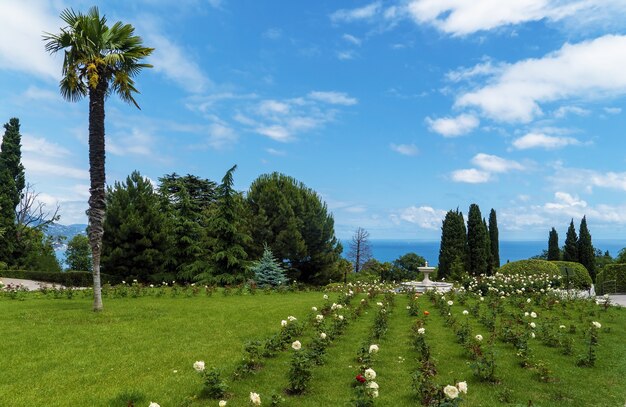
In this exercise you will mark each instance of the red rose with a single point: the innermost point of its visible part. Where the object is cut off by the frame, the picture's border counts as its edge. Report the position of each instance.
(426, 313)
(360, 378)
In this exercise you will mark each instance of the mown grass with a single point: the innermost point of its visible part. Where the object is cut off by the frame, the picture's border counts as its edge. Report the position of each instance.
(56, 352)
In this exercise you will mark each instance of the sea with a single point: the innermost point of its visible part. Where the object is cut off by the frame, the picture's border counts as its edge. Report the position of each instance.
(389, 250)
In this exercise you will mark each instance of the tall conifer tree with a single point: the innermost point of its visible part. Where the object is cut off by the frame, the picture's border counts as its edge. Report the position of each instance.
(570, 250)
(554, 253)
(488, 253)
(477, 240)
(494, 239)
(586, 255)
(453, 246)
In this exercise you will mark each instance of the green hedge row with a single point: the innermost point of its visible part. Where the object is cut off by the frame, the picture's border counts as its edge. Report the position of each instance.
(579, 276)
(68, 279)
(611, 279)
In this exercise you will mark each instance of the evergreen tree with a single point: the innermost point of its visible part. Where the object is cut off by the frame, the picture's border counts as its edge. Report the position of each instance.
(296, 224)
(453, 247)
(586, 255)
(570, 250)
(494, 239)
(136, 234)
(78, 254)
(477, 240)
(554, 253)
(406, 267)
(488, 253)
(228, 236)
(267, 271)
(12, 182)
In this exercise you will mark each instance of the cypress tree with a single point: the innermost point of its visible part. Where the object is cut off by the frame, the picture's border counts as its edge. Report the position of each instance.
(453, 247)
(488, 253)
(586, 255)
(554, 253)
(570, 250)
(477, 240)
(12, 182)
(494, 239)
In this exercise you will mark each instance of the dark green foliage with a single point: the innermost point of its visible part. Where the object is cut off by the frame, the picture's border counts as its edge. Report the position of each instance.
(186, 201)
(295, 223)
(136, 231)
(602, 259)
(554, 253)
(586, 255)
(621, 256)
(228, 236)
(494, 239)
(78, 254)
(570, 250)
(267, 271)
(612, 279)
(530, 267)
(453, 249)
(12, 183)
(35, 252)
(577, 274)
(477, 243)
(488, 253)
(374, 270)
(68, 279)
(406, 267)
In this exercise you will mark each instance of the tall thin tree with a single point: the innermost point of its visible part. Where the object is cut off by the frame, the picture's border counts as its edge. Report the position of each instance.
(453, 248)
(554, 253)
(586, 254)
(98, 60)
(494, 239)
(570, 250)
(360, 249)
(477, 242)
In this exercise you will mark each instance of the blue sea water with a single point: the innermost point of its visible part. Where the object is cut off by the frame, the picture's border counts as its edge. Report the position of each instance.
(389, 250)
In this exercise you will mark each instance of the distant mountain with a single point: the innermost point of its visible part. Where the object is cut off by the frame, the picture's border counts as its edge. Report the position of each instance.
(68, 231)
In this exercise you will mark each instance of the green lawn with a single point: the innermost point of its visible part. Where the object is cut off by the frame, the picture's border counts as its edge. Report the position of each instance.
(56, 352)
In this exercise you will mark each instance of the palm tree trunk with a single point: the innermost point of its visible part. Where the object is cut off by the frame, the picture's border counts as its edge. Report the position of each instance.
(97, 203)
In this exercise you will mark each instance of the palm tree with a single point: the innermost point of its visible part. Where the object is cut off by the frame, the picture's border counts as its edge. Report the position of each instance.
(98, 60)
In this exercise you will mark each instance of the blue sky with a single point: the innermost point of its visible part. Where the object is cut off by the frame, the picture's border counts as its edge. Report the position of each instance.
(394, 112)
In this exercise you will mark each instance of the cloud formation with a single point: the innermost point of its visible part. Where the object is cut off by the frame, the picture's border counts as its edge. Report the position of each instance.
(453, 126)
(541, 140)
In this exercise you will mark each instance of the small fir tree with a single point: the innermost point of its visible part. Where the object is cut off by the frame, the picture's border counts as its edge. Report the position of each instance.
(267, 271)
(554, 253)
(570, 250)
(586, 255)
(494, 239)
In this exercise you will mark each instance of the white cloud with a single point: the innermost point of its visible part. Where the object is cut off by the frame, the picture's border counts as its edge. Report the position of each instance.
(423, 216)
(273, 107)
(22, 24)
(275, 132)
(540, 140)
(273, 151)
(471, 176)
(36, 93)
(613, 110)
(362, 13)
(587, 70)
(493, 163)
(333, 98)
(563, 111)
(42, 147)
(405, 149)
(587, 179)
(351, 39)
(138, 141)
(453, 126)
(273, 33)
(483, 69)
(346, 55)
(35, 165)
(564, 201)
(221, 136)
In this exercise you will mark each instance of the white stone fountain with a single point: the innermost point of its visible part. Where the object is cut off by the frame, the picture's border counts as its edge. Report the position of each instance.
(426, 283)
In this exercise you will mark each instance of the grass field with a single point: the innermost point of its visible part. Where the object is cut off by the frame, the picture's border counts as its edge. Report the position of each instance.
(56, 352)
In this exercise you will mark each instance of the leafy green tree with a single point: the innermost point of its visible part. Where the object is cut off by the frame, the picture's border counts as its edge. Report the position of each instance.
(98, 60)
(78, 254)
(12, 182)
(267, 271)
(584, 246)
(228, 236)
(453, 247)
(621, 257)
(602, 259)
(554, 253)
(296, 224)
(477, 243)
(494, 239)
(406, 266)
(135, 231)
(38, 252)
(570, 250)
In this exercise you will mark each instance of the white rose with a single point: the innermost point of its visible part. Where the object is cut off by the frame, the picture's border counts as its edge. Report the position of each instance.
(291, 318)
(421, 331)
(319, 317)
(325, 296)
(533, 315)
(283, 323)
(372, 385)
(533, 325)
(465, 312)
(532, 335)
(596, 324)
(374, 349)
(323, 335)
(462, 386)
(340, 317)
(370, 374)
(153, 404)
(451, 392)
(255, 399)
(526, 314)
(450, 303)
(561, 326)
(314, 309)
(222, 403)
(528, 300)
(199, 366)
(296, 345)
(479, 337)
(380, 304)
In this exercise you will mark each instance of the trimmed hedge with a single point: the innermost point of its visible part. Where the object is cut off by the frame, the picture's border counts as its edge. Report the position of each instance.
(68, 279)
(611, 272)
(530, 267)
(580, 277)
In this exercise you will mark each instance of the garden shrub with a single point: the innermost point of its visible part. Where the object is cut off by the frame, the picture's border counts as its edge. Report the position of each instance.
(68, 279)
(530, 267)
(611, 272)
(580, 277)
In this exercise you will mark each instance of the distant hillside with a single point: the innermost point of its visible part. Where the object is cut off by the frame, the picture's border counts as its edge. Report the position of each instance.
(68, 231)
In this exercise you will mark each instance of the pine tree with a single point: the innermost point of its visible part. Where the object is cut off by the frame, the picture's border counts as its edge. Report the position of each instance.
(554, 253)
(477, 239)
(494, 239)
(267, 271)
(586, 255)
(453, 248)
(12, 182)
(570, 250)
